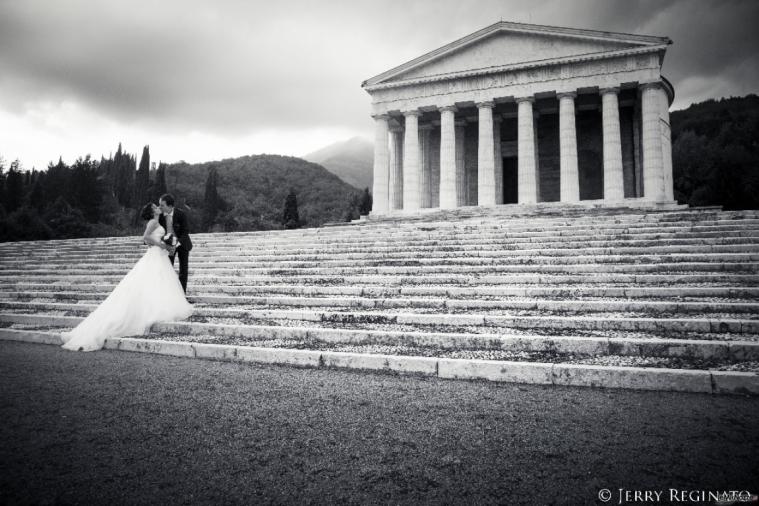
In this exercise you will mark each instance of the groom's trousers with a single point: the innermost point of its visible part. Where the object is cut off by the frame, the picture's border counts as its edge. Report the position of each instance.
(184, 257)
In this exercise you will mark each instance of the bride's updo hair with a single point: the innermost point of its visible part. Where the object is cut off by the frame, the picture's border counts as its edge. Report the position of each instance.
(147, 212)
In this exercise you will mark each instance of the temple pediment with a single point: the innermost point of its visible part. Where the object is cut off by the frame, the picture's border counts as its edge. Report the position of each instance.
(506, 45)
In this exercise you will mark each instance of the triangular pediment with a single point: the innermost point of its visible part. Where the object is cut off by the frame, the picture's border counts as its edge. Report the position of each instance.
(508, 44)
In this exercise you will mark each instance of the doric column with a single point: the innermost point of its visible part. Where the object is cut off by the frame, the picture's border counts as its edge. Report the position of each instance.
(653, 161)
(460, 163)
(569, 182)
(666, 140)
(448, 180)
(381, 199)
(425, 167)
(411, 161)
(527, 174)
(395, 186)
(498, 160)
(614, 186)
(485, 156)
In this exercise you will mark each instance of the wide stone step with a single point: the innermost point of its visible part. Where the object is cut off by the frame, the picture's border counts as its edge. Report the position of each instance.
(725, 351)
(732, 324)
(479, 229)
(448, 279)
(459, 270)
(65, 290)
(429, 255)
(551, 247)
(584, 316)
(88, 302)
(700, 261)
(384, 241)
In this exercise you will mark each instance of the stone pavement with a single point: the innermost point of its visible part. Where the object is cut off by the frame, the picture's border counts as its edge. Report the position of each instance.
(130, 428)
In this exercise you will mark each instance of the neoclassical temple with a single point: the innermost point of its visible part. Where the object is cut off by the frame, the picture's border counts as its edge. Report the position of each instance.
(521, 114)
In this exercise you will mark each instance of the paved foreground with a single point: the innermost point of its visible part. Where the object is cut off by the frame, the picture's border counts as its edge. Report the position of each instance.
(116, 427)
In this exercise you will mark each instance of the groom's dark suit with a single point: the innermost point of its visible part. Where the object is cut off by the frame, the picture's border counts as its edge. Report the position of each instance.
(181, 232)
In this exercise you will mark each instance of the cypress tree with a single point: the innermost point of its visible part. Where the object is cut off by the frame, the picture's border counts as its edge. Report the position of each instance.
(14, 188)
(159, 188)
(142, 182)
(291, 218)
(365, 207)
(212, 203)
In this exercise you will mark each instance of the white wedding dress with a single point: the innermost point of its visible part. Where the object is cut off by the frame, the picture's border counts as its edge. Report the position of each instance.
(149, 293)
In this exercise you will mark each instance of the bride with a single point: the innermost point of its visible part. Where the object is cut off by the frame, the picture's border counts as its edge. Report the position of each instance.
(149, 293)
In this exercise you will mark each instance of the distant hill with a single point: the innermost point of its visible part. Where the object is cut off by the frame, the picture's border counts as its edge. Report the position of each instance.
(349, 160)
(254, 189)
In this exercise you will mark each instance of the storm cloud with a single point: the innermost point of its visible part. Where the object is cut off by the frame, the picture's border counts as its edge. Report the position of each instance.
(205, 80)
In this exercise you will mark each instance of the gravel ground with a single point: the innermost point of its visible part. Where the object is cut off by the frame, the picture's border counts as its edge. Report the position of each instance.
(122, 428)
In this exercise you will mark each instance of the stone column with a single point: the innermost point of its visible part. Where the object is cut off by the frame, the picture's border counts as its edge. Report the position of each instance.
(614, 185)
(485, 156)
(395, 186)
(569, 182)
(460, 163)
(425, 168)
(498, 160)
(448, 180)
(411, 161)
(653, 161)
(381, 199)
(666, 140)
(527, 173)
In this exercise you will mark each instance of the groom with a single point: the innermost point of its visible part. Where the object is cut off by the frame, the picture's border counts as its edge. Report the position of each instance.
(174, 221)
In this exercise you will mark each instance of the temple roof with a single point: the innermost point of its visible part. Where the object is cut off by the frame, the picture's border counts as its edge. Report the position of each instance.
(507, 46)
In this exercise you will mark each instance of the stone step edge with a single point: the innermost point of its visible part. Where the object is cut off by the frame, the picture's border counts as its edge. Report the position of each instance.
(733, 350)
(364, 304)
(722, 325)
(223, 291)
(634, 378)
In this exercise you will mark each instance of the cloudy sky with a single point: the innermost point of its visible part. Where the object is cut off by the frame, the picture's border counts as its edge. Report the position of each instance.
(205, 80)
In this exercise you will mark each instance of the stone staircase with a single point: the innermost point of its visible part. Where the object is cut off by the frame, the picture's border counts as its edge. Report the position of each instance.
(644, 290)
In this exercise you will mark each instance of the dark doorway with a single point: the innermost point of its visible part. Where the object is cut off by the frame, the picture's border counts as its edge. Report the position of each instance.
(510, 181)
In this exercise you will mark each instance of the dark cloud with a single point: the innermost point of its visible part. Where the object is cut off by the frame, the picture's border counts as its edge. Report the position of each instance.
(232, 67)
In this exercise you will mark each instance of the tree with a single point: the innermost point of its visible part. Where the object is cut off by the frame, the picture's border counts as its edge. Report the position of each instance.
(121, 175)
(86, 194)
(159, 187)
(57, 182)
(290, 218)
(142, 182)
(14, 187)
(212, 203)
(365, 206)
(2, 184)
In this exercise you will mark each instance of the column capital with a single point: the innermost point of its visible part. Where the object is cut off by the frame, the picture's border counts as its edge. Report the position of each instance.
(567, 94)
(460, 123)
(653, 85)
(384, 116)
(530, 99)
(412, 112)
(485, 104)
(446, 108)
(606, 91)
(426, 127)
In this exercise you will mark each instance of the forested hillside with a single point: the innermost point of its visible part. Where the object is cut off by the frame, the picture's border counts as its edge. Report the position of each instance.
(715, 153)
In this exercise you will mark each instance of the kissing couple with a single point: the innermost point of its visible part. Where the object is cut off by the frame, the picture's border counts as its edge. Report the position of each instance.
(151, 291)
